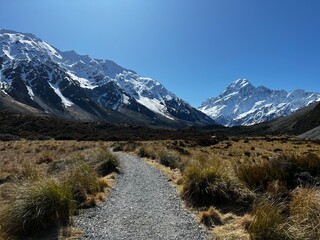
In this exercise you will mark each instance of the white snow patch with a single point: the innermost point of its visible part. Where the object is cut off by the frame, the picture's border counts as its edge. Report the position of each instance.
(125, 99)
(84, 83)
(154, 105)
(6, 52)
(30, 92)
(65, 101)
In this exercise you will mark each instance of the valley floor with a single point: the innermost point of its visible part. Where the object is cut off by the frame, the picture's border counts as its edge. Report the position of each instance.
(230, 187)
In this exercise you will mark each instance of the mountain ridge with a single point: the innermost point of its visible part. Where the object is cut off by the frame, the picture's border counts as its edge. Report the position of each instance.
(241, 103)
(79, 87)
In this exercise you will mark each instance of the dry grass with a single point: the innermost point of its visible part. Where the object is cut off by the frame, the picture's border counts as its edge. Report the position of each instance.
(36, 206)
(43, 182)
(214, 167)
(281, 169)
(268, 221)
(70, 233)
(211, 217)
(305, 213)
(209, 182)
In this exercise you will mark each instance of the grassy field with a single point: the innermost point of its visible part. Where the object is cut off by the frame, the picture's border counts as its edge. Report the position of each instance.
(44, 183)
(249, 188)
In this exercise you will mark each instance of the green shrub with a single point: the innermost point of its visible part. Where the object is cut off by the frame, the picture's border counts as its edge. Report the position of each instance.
(36, 206)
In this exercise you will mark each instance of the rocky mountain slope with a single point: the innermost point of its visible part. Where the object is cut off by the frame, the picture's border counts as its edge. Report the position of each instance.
(76, 87)
(304, 122)
(243, 104)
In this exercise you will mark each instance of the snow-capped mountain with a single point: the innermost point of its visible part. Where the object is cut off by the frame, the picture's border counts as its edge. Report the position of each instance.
(243, 104)
(72, 86)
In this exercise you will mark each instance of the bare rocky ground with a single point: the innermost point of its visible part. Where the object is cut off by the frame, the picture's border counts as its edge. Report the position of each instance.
(143, 205)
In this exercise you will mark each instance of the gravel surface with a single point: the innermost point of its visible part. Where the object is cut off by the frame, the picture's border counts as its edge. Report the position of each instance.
(143, 205)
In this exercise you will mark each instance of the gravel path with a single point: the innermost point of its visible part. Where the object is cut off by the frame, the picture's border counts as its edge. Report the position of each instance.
(143, 205)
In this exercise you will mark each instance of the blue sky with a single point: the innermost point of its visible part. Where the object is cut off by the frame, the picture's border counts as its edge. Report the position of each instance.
(194, 47)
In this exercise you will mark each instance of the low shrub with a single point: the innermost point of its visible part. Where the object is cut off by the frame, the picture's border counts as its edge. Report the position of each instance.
(8, 137)
(38, 137)
(37, 206)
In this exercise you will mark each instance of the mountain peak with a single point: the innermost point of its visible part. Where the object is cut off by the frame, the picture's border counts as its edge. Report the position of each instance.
(243, 104)
(240, 83)
(79, 87)
(237, 86)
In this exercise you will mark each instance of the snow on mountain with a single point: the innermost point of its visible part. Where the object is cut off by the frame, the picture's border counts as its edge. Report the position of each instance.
(243, 104)
(37, 74)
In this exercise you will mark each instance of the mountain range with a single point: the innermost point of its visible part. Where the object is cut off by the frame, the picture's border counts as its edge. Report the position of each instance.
(37, 78)
(243, 104)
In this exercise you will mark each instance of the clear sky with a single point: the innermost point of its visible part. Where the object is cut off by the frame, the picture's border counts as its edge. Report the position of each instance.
(195, 48)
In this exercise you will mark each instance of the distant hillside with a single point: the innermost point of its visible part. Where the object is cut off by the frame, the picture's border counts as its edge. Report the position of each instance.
(17, 125)
(313, 134)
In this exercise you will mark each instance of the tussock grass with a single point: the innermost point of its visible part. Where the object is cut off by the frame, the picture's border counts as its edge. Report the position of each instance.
(258, 175)
(129, 146)
(268, 222)
(211, 217)
(285, 169)
(298, 218)
(44, 182)
(37, 206)
(83, 181)
(168, 159)
(305, 213)
(107, 162)
(146, 152)
(283, 173)
(304, 163)
(210, 183)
